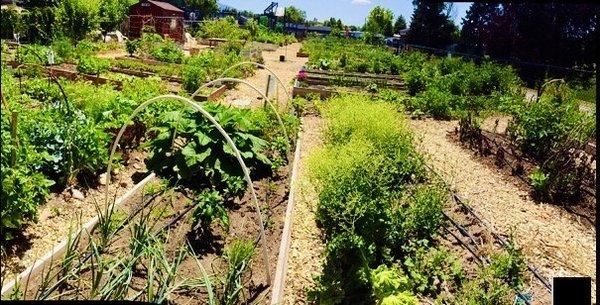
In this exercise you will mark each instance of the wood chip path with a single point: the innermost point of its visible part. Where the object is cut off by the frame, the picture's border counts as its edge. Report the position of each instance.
(306, 247)
(552, 240)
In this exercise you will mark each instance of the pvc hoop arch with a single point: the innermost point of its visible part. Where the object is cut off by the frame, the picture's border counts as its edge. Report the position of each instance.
(287, 93)
(237, 80)
(197, 107)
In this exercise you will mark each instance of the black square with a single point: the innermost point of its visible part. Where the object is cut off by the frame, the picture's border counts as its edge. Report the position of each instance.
(571, 291)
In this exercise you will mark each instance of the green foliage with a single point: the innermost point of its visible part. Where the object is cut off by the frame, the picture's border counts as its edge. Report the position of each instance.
(153, 45)
(227, 28)
(209, 207)
(204, 155)
(402, 298)
(209, 65)
(388, 281)
(92, 65)
(400, 24)
(429, 266)
(131, 46)
(423, 216)
(431, 25)
(74, 143)
(238, 256)
(23, 188)
(206, 7)
(380, 21)
(544, 124)
(484, 289)
(509, 266)
(76, 18)
(539, 181)
(113, 12)
(350, 56)
(364, 176)
(294, 14)
(346, 277)
(168, 51)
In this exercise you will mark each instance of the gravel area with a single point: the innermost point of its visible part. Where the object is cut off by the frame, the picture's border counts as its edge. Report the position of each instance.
(552, 239)
(306, 247)
(286, 71)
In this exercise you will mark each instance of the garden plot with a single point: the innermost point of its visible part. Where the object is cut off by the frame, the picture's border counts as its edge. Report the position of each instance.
(544, 232)
(63, 212)
(415, 264)
(158, 223)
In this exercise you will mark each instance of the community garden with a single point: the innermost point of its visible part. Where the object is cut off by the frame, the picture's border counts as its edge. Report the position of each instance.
(192, 200)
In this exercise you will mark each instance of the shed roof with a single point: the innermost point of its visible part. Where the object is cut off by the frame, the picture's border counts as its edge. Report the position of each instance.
(165, 6)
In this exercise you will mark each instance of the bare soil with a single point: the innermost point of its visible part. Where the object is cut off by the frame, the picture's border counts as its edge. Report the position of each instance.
(166, 207)
(62, 213)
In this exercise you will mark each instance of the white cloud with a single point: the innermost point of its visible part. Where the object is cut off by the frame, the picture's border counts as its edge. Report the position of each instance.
(361, 2)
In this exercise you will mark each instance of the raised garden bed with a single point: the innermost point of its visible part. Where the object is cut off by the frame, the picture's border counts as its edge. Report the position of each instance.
(211, 93)
(354, 74)
(147, 60)
(145, 74)
(350, 81)
(301, 54)
(164, 213)
(73, 75)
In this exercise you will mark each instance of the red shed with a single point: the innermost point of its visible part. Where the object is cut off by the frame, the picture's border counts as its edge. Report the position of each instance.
(166, 19)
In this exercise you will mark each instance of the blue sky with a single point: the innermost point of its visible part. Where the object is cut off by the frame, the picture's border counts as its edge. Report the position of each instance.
(350, 11)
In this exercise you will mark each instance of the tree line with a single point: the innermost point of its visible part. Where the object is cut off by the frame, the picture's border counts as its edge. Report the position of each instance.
(543, 34)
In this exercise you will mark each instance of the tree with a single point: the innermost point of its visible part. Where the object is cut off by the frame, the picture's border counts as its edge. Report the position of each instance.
(207, 7)
(431, 25)
(399, 25)
(294, 14)
(380, 21)
(113, 13)
(476, 26)
(76, 18)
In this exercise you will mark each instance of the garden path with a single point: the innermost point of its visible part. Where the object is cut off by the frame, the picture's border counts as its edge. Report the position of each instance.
(553, 240)
(306, 247)
(286, 71)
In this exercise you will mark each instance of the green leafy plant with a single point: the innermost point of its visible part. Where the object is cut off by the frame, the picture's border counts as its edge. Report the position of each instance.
(92, 65)
(238, 256)
(131, 46)
(203, 154)
(209, 207)
(539, 181)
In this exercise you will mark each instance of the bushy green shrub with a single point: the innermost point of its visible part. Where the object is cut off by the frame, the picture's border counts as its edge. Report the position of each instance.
(346, 277)
(75, 145)
(364, 176)
(222, 28)
(92, 65)
(23, 189)
(168, 51)
(204, 155)
(209, 65)
(541, 125)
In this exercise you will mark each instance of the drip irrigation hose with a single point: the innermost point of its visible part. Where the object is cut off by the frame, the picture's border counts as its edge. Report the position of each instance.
(457, 199)
(483, 260)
